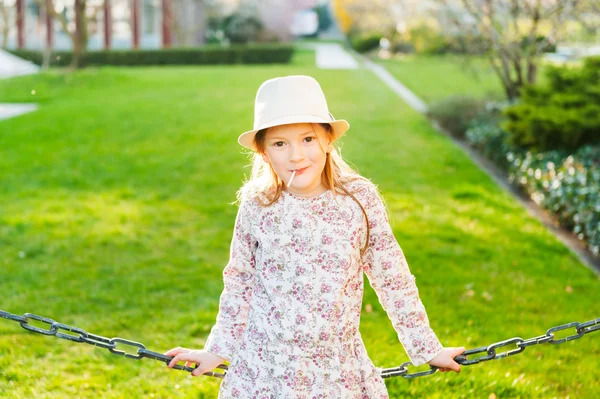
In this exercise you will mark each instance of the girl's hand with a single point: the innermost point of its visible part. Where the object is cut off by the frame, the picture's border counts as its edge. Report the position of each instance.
(445, 360)
(205, 360)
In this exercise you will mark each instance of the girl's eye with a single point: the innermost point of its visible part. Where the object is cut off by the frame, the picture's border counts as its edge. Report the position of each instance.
(277, 144)
(310, 139)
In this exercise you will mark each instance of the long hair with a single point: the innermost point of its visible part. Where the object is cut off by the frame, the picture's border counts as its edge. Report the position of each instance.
(265, 185)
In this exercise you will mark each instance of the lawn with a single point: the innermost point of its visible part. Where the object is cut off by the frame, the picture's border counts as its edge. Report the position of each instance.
(433, 78)
(115, 217)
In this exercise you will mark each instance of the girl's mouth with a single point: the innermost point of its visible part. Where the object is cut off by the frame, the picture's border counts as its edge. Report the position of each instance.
(299, 171)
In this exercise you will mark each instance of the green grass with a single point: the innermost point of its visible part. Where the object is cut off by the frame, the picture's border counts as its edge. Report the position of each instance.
(115, 218)
(433, 78)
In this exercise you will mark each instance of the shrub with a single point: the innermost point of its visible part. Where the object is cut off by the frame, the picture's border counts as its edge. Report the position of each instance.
(242, 27)
(240, 54)
(427, 40)
(547, 44)
(455, 113)
(565, 114)
(402, 47)
(567, 185)
(464, 43)
(365, 42)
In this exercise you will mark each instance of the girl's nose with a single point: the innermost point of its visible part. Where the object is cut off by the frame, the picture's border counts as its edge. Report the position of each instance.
(297, 153)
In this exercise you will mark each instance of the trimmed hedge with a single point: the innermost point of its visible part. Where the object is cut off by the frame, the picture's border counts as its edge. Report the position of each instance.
(237, 54)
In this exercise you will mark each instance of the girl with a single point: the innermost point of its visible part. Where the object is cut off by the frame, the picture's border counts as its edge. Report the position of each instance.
(307, 228)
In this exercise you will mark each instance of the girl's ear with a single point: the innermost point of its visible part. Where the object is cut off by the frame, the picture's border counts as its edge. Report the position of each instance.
(329, 146)
(265, 157)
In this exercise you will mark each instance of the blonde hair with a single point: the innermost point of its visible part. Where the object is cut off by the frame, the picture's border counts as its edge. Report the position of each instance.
(266, 186)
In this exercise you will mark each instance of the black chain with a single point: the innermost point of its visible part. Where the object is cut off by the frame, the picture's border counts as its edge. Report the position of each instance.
(580, 328)
(400, 371)
(97, 340)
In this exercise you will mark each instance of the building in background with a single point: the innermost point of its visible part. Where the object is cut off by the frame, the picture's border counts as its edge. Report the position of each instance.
(146, 24)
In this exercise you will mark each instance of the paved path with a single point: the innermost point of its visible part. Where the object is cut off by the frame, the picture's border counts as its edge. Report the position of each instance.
(11, 110)
(11, 65)
(331, 56)
(411, 98)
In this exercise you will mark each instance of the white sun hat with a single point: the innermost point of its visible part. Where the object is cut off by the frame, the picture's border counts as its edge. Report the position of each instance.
(291, 99)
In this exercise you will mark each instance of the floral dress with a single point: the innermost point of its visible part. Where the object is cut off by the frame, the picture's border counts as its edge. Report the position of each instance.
(289, 312)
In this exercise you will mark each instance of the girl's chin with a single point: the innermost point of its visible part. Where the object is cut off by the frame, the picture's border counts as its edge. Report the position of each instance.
(299, 183)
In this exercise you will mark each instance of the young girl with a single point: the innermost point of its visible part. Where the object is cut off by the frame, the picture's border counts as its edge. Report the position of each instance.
(307, 228)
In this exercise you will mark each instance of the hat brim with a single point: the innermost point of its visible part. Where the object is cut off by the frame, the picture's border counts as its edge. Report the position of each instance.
(339, 127)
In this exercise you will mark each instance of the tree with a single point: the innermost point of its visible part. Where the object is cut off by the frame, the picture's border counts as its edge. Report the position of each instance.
(510, 32)
(4, 23)
(364, 16)
(79, 31)
(588, 14)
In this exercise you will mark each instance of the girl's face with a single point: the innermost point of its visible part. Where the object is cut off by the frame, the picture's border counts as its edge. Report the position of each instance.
(299, 147)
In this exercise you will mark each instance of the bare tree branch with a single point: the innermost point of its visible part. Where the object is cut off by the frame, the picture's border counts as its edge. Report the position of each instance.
(510, 31)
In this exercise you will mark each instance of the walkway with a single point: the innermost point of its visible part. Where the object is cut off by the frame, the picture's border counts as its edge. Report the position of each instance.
(331, 56)
(11, 110)
(11, 65)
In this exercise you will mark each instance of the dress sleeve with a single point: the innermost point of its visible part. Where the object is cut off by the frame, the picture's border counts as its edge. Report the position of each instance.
(388, 272)
(239, 278)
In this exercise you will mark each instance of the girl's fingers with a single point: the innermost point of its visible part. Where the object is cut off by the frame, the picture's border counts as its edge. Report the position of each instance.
(178, 358)
(182, 356)
(198, 372)
(176, 351)
(174, 360)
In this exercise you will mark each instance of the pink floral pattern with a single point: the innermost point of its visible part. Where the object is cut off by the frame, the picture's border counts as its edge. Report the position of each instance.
(289, 312)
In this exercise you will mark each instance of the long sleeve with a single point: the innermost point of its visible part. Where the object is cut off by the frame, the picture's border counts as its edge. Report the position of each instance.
(388, 272)
(239, 278)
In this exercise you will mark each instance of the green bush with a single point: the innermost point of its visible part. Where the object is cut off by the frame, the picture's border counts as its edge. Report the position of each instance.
(485, 134)
(455, 113)
(402, 47)
(427, 40)
(242, 27)
(237, 54)
(364, 43)
(549, 45)
(567, 185)
(471, 44)
(564, 114)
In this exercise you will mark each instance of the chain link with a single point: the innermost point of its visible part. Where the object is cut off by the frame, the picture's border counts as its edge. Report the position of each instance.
(100, 341)
(490, 350)
(400, 371)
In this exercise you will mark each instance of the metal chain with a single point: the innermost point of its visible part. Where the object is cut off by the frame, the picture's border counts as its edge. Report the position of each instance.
(580, 328)
(97, 340)
(400, 371)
